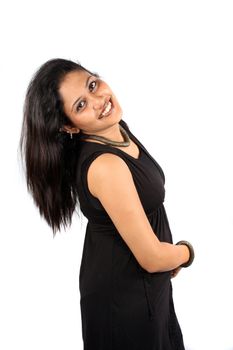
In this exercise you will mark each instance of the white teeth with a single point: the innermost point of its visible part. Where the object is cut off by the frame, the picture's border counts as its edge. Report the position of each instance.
(107, 109)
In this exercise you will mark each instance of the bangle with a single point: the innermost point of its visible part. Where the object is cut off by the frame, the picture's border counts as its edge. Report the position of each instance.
(191, 253)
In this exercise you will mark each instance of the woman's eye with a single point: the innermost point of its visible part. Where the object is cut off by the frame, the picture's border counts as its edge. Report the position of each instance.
(79, 106)
(91, 86)
(92, 83)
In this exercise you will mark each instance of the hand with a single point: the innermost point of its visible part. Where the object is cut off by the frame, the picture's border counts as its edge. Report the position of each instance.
(175, 272)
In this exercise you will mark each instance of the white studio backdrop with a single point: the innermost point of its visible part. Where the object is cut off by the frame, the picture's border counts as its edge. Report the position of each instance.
(170, 65)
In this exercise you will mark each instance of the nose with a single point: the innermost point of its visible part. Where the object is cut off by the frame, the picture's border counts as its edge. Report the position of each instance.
(98, 102)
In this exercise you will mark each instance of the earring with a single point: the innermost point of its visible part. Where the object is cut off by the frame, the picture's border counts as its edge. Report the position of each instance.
(68, 132)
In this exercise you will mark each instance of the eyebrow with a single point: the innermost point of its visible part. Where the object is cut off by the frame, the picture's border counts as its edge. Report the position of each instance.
(80, 97)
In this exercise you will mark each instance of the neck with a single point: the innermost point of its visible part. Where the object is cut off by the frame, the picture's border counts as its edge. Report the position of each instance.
(108, 141)
(111, 133)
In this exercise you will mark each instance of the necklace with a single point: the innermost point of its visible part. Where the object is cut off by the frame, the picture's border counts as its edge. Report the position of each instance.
(124, 143)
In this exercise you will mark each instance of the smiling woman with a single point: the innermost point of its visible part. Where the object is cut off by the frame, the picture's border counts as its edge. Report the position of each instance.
(128, 257)
(62, 96)
(87, 100)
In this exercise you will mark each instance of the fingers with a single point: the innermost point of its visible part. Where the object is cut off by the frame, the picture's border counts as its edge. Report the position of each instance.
(175, 272)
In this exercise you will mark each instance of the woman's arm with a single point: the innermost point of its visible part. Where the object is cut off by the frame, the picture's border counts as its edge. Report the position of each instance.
(110, 180)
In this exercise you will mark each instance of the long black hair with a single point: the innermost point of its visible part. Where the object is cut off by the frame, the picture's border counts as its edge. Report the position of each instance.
(49, 156)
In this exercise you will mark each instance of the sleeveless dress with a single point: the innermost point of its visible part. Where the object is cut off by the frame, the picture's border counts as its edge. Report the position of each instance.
(124, 307)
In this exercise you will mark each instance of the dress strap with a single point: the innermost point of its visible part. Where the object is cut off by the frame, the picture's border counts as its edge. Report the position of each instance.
(145, 150)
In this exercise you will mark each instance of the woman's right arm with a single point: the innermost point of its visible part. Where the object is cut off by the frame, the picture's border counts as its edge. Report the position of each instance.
(110, 180)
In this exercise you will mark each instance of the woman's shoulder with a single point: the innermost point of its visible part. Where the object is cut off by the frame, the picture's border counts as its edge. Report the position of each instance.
(89, 151)
(104, 168)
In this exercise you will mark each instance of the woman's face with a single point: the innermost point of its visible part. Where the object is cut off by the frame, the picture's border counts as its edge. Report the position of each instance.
(85, 97)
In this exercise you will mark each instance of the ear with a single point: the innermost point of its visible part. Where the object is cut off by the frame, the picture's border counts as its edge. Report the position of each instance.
(69, 128)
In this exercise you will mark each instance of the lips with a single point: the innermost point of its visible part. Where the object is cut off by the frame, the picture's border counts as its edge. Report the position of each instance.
(105, 105)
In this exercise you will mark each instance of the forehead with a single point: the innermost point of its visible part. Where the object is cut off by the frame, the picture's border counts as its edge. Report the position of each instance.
(72, 87)
(73, 82)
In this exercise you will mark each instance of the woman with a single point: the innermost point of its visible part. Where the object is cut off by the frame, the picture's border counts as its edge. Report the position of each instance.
(78, 149)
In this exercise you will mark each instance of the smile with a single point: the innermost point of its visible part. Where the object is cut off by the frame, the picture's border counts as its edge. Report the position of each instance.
(107, 111)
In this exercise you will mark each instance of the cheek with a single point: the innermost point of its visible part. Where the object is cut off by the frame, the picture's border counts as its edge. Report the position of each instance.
(84, 117)
(116, 101)
(105, 88)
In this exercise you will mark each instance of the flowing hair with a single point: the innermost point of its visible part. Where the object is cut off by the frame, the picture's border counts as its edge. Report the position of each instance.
(50, 156)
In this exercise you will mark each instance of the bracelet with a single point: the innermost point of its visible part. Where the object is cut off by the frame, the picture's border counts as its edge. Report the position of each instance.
(191, 253)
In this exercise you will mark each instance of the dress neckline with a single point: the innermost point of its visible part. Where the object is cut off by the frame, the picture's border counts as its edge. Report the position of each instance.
(132, 138)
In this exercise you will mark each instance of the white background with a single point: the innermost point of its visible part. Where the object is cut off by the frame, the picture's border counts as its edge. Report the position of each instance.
(170, 65)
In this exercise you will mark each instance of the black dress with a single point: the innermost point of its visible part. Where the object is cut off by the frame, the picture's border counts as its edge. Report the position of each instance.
(124, 307)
